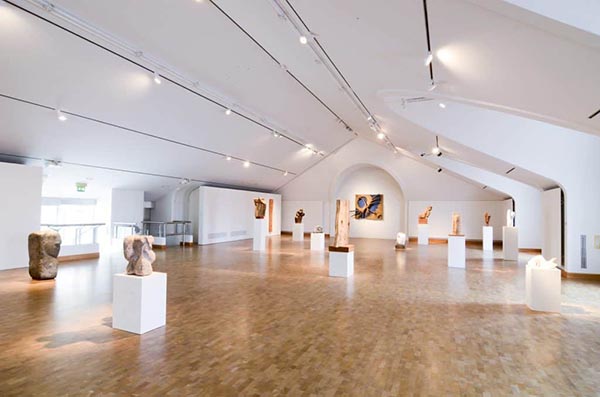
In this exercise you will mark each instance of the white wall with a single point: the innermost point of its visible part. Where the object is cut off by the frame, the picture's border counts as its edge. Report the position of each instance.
(127, 205)
(315, 214)
(228, 214)
(551, 209)
(21, 203)
(372, 180)
(471, 216)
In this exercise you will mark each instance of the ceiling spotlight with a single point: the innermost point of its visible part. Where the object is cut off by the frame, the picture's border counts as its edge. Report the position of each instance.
(157, 79)
(433, 86)
(428, 59)
(370, 118)
(442, 105)
(276, 134)
(285, 173)
(380, 135)
(53, 164)
(303, 39)
(60, 115)
(228, 158)
(246, 164)
(439, 170)
(436, 150)
(228, 111)
(184, 181)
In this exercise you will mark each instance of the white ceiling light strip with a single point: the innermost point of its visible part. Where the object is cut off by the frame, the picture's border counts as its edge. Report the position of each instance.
(160, 68)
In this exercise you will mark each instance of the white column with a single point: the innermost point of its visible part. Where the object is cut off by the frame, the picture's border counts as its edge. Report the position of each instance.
(139, 302)
(510, 243)
(298, 232)
(260, 235)
(423, 234)
(488, 238)
(456, 251)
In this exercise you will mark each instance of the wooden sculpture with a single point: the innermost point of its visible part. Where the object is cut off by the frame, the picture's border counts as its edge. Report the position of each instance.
(299, 215)
(342, 227)
(260, 207)
(424, 216)
(271, 203)
(455, 224)
(486, 218)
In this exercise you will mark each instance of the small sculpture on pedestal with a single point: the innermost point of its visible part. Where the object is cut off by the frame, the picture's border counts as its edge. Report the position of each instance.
(486, 218)
(318, 229)
(260, 207)
(400, 241)
(138, 252)
(44, 248)
(455, 224)
(299, 215)
(542, 263)
(424, 216)
(510, 218)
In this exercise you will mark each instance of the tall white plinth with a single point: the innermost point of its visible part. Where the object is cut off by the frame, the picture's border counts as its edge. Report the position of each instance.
(542, 289)
(510, 243)
(456, 251)
(341, 261)
(423, 234)
(488, 238)
(260, 235)
(298, 232)
(139, 303)
(317, 241)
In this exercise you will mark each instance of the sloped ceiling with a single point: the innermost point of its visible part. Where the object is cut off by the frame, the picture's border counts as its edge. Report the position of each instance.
(246, 56)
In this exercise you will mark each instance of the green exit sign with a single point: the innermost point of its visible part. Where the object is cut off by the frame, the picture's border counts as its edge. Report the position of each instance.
(81, 186)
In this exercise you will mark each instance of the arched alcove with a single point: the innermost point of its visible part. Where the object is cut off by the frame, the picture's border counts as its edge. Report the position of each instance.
(369, 179)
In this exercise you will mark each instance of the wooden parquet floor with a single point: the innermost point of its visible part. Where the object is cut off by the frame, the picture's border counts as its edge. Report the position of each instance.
(241, 323)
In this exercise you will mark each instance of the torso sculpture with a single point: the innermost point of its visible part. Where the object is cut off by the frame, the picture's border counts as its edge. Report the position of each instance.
(44, 248)
(486, 218)
(299, 215)
(138, 252)
(424, 216)
(455, 224)
(260, 207)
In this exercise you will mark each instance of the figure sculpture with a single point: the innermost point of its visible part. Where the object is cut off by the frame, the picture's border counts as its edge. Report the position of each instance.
(424, 216)
(260, 207)
(486, 218)
(400, 241)
(299, 215)
(318, 229)
(44, 248)
(541, 262)
(510, 218)
(138, 252)
(456, 224)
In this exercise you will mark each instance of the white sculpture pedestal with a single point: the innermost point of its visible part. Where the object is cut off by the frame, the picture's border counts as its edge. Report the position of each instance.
(488, 238)
(341, 261)
(456, 251)
(317, 241)
(260, 235)
(542, 289)
(139, 303)
(423, 234)
(298, 232)
(510, 243)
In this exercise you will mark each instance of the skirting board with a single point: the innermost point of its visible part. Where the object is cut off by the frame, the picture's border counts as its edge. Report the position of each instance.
(307, 234)
(580, 276)
(159, 247)
(186, 244)
(470, 242)
(79, 257)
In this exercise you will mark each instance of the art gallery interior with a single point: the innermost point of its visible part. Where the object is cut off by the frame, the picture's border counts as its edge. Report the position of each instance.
(296, 197)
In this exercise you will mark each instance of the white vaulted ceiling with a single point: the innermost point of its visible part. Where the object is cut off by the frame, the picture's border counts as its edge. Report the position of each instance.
(246, 55)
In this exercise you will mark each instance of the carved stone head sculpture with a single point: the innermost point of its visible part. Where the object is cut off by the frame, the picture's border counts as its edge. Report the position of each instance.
(318, 229)
(138, 252)
(260, 207)
(424, 216)
(44, 248)
(299, 215)
(486, 218)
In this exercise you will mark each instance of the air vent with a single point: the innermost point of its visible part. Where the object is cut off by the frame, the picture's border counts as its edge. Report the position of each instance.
(583, 251)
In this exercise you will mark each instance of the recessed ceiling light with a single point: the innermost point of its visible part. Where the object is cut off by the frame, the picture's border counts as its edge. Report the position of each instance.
(380, 135)
(157, 79)
(246, 164)
(428, 59)
(303, 40)
(228, 158)
(60, 115)
(442, 105)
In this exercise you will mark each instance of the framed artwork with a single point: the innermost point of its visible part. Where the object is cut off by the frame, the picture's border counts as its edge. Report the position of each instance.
(368, 206)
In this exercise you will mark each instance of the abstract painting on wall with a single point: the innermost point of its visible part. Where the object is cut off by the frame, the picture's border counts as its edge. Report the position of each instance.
(369, 206)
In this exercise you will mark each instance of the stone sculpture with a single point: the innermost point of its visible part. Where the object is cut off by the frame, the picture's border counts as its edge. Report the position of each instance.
(400, 241)
(318, 229)
(424, 216)
(138, 252)
(260, 207)
(44, 248)
(510, 218)
(486, 218)
(342, 224)
(299, 215)
(541, 262)
(455, 224)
